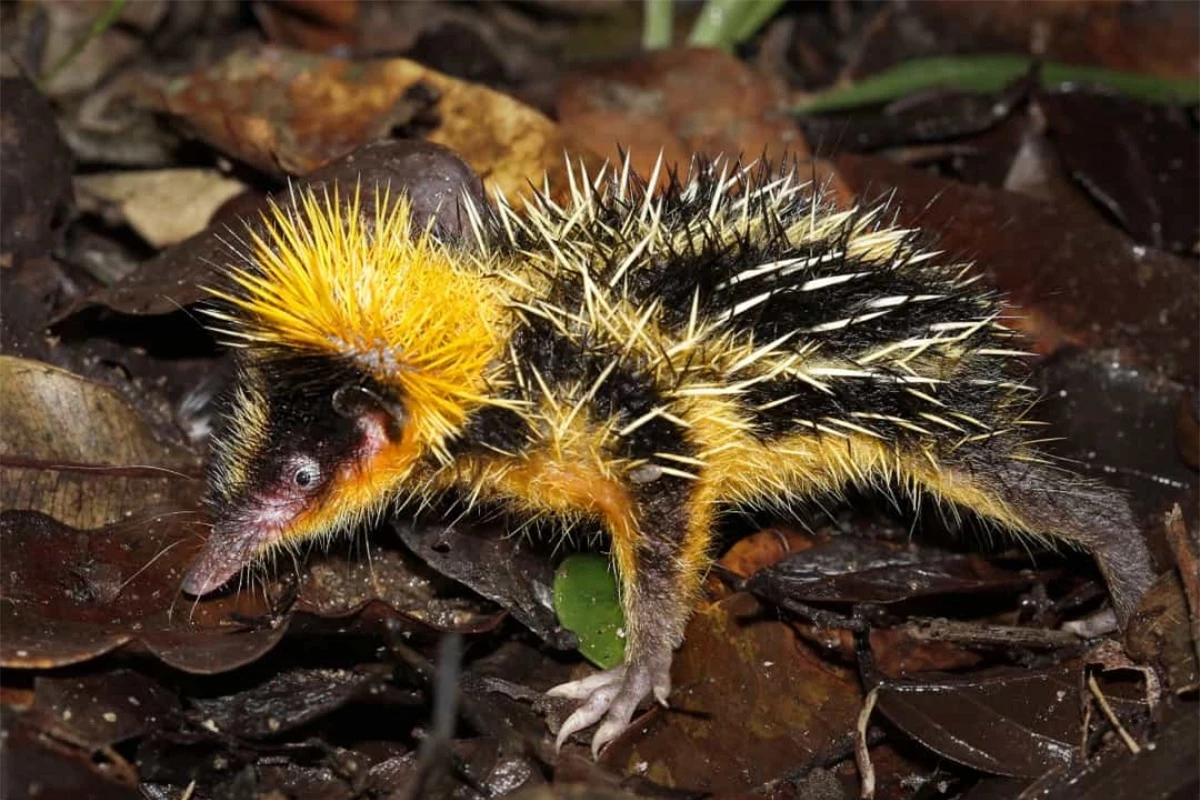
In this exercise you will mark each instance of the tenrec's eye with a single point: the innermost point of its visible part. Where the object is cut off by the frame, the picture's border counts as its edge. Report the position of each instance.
(305, 473)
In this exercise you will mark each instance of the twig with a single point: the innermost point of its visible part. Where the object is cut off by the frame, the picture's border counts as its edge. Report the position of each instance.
(433, 757)
(944, 630)
(862, 755)
(1112, 717)
(1186, 559)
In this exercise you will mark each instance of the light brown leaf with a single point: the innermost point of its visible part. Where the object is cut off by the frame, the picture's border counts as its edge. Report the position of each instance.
(77, 451)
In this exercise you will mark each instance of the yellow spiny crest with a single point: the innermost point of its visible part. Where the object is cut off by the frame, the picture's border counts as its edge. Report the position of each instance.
(325, 277)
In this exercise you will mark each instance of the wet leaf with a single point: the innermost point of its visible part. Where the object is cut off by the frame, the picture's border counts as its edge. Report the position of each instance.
(751, 703)
(504, 569)
(221, 766)
(1165, 771)
(1076, 279)
(69, 595)
(371, 584)
(497, 690)
(1128, 440)
(287, 701)
(1138, 162)
(933, 116)
(1017, 723)
(851, 570)
(77, 451)
(101, 710)
(491, 775)
(587, 604)
(37, 766)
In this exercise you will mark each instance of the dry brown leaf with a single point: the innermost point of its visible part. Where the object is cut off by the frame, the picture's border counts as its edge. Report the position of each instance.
(751, 704)
(287, 112)
(164, 206)
(680, 102)
(77, 451)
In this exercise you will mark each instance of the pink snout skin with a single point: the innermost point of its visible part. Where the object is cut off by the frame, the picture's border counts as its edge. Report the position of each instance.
(236, 541)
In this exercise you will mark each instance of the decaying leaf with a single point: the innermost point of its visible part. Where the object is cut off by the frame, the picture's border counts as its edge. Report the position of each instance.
(371, 583)
(851, 570)
(287, 701)
(1077, 280)
(751, 703)
(100, 710)
(433, 178)
(37, 764)
(1166, 770)
(504, 569)
(77, 451)
(1161, 634)
(69, 595)
(286, 112)
(649, 105)
(1018, 723)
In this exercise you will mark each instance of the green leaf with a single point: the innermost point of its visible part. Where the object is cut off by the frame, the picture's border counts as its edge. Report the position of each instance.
(587, 604)
(983, 74)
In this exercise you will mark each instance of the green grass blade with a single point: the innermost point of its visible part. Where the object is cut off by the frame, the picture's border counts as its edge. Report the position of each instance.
(725, 23)
(658, 26)
(755, 16)
(989, 74)
(99, 26)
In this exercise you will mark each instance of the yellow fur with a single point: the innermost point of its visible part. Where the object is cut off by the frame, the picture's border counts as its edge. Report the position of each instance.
(329, 280)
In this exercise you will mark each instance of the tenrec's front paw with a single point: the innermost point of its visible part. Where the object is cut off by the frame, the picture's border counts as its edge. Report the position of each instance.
(613, 696)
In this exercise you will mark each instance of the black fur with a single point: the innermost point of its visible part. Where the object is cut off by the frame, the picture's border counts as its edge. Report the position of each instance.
(703, 268)
(297, 397)
(627, 394)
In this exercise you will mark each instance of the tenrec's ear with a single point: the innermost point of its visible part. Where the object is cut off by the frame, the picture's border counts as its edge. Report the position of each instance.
(353, 401)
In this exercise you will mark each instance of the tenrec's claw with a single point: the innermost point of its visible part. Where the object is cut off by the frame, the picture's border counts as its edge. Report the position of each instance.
(587, 714)
(583, 688)
(612, 696)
